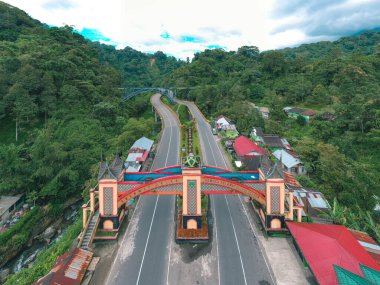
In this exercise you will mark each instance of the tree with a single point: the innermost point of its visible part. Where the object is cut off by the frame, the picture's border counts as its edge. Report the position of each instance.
(32, 197)
(301, 120)
(21, 104)
(251, 52)
(273, 63)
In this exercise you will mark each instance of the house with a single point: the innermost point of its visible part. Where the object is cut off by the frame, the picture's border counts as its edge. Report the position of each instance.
(326, 247)
(245, 148)
(257, 135)
(8, 205)
(296, 112)
(142, 143)
(368, 243)
(264, 112)
(290, 162)
(138, 154)
(222, 121)
(273, 141)
(313, 202)
(69, 269)
(227, 128)
(135, 159)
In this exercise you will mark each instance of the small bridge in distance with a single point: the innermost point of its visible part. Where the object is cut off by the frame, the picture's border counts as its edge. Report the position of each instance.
(168, 92)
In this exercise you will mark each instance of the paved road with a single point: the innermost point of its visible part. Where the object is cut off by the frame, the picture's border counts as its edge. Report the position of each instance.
(143, 257)
(240, 260)
(148, 254)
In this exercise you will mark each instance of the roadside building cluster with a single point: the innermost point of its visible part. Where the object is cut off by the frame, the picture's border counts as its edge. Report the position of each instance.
(333, 253)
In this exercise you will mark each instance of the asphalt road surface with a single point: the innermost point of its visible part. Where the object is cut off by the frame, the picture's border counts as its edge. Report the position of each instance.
(240, 260)
(143, 256)
(148, 253)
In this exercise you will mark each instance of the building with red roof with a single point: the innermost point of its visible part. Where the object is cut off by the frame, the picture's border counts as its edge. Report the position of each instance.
(368, 243)
(245, 148)
(324, 246)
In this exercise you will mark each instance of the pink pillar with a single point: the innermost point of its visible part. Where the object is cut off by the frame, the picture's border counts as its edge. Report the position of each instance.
(299, 215)
(291, 203)
(92, 200)
(84, 209)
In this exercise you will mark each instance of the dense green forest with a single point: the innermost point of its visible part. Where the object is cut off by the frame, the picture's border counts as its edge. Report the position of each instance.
(61, 111)
(341, 77)
(138, 69)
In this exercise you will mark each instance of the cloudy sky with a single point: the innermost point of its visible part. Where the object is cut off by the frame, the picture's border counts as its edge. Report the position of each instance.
(181, 28)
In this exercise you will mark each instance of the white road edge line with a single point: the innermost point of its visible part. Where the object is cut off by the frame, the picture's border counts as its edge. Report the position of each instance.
(170, 253)
(233, 226)
(216, 237)
(216, 230)
(237, 242)
(118, 251)
(147, 240)
(258, 241)
(166, 115)
(212, 204)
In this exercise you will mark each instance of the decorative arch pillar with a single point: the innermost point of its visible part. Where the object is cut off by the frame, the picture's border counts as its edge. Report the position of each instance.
(108, 208)
(191, 204)
(275, 204)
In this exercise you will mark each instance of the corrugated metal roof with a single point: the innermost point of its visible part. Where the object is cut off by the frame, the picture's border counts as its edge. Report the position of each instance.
(8, 201)
(287, 159)
(133, 168)
(222, 122)
(299, 200)
(370, 245)
(69, 268)
(316, 200)
(143, 143)
(132, 157)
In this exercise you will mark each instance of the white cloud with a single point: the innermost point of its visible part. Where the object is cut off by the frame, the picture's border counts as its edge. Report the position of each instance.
(267, 24)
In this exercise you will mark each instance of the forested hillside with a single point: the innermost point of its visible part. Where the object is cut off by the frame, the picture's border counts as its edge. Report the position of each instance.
(138, 69)
(60, 109)
(341, 77)
(60, 112)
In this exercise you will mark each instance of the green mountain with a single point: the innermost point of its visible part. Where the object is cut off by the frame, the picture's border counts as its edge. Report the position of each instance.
(60, 112)
(341, 77)
(59, 98)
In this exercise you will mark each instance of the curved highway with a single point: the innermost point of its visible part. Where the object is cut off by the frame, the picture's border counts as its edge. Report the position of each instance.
(143, 256)
(240, 260)
(148, 254)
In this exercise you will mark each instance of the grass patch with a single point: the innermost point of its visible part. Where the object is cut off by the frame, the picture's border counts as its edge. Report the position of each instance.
(105, 234)
(171, 105)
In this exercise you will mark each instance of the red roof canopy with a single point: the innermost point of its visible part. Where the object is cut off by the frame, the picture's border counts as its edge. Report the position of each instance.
(144, 156)
(325, 245)
(309, 113)
(244, 147)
